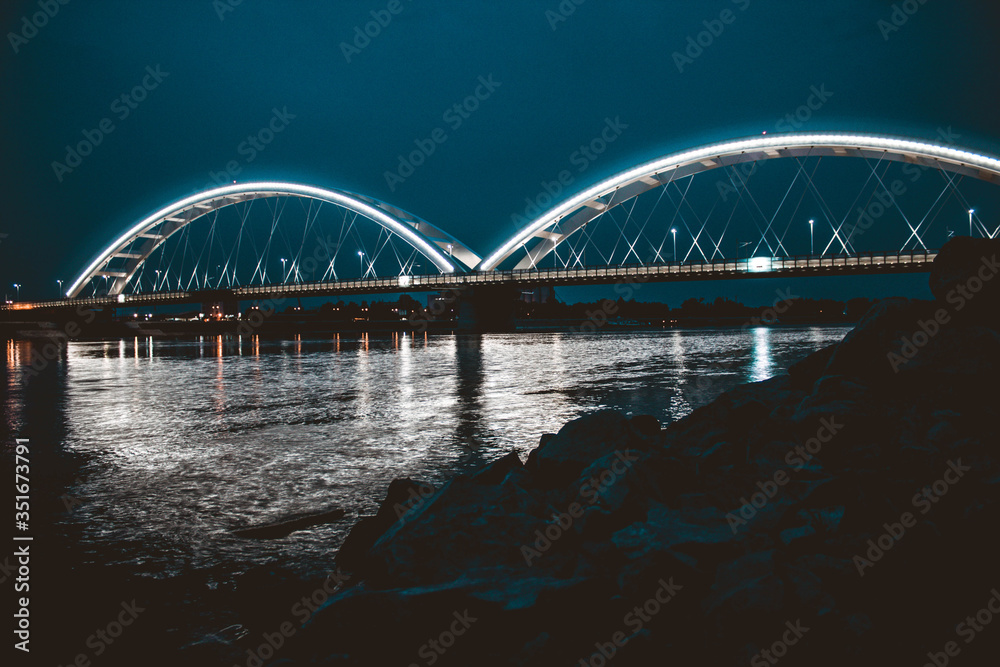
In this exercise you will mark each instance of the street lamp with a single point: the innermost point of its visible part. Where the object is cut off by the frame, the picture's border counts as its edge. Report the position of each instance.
(17, 286)
(674, 232)
(811, 246)
(361, 262)
(972, 212)
(60, 286)
(283, 260)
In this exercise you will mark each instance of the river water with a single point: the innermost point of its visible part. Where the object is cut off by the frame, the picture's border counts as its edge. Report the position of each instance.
(178, 442)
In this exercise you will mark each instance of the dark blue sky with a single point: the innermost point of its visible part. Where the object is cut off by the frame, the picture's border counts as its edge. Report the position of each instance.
(610, 59)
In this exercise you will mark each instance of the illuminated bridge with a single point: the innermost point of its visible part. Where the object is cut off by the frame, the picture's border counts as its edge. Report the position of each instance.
(778, 205)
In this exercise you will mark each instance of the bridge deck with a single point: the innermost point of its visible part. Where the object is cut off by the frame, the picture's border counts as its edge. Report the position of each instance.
(869, 263)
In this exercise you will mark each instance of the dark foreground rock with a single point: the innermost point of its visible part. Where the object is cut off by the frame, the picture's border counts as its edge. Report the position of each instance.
(843, 514)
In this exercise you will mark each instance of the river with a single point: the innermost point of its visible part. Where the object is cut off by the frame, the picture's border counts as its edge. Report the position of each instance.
(177, 442)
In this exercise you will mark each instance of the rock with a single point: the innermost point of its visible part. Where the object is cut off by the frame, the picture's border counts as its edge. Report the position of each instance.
(948, 353)
(835, 396)
(465, 526)
(288, 525)
(864, 352)
(961, 266)
(495, 472)
(646, 425)
(791, 556)
(681, 533)
(805, 372)
(402, 496)
(561, 459)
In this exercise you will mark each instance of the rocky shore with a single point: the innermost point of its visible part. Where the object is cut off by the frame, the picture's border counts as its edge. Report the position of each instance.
(843, 514)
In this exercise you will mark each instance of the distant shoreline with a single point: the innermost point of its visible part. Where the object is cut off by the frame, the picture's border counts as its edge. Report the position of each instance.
(120, 330)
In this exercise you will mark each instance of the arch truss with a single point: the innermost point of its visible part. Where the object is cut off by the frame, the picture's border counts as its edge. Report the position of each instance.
(125, 260)
(566, 232)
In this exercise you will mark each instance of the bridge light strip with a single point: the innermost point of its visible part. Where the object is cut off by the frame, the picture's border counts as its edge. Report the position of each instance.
(792, 140)
(277, 188)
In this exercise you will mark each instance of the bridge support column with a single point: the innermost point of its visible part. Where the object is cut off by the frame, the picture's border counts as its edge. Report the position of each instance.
(486, 309)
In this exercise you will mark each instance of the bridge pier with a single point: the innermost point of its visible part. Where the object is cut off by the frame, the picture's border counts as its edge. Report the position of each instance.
(486, 309)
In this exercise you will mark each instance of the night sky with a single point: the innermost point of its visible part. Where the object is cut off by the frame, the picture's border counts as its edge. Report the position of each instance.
(226, 66)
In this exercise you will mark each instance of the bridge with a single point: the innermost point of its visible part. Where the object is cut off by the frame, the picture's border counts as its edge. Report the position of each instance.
(875, 204)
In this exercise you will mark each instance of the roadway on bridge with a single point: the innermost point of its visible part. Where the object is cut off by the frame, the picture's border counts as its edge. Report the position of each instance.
(753, 268)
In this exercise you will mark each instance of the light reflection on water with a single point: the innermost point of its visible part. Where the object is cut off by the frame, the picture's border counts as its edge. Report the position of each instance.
(763, 362)
(188, 439)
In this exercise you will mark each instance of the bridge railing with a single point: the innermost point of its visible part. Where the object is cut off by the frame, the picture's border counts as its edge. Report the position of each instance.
(445, 281)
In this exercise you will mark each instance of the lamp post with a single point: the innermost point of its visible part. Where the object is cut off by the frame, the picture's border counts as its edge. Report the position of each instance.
(361, 262)
(17, 286)
(972, 212)
(674, 232)
(811, 246)
(739, 247)
(283, 260)
(60, 286)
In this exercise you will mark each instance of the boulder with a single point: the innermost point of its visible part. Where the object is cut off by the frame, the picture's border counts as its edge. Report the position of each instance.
(675, 512)
(402, 496)
(561, 458)
(965, 272)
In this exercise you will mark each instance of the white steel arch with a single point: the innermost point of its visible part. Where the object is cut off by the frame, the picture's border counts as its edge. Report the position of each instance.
(435, 244)
(574, 213)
